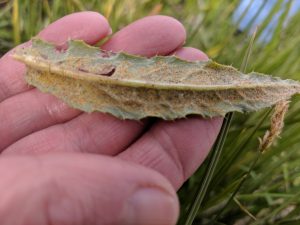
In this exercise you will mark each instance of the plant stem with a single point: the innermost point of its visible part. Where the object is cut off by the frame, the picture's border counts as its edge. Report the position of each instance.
(211, 166)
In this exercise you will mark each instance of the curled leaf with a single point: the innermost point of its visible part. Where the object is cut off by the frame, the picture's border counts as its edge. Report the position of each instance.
(132, 87)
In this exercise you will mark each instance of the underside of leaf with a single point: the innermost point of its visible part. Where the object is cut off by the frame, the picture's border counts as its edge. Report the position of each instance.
(132, 87)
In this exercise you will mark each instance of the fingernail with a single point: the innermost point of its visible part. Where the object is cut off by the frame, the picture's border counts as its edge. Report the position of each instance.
(151, 206)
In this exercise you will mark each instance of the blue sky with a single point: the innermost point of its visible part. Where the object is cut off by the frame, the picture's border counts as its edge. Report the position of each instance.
(262, 15)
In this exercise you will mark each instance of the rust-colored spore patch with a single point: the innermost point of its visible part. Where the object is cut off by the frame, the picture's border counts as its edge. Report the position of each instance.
(132, 87)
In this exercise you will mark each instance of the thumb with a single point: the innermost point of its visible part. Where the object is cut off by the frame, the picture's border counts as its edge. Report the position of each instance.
(79, 189)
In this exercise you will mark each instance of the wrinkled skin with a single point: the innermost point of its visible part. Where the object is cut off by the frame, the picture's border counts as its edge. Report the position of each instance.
(61, 166)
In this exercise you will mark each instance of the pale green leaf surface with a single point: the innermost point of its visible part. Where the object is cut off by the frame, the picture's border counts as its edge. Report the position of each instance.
(132, 87)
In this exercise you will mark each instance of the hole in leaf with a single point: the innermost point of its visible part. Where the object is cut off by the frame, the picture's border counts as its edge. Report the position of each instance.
(104, 71)
(109, 73)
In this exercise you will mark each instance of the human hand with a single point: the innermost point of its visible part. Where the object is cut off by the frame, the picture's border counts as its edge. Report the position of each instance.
(132, 176)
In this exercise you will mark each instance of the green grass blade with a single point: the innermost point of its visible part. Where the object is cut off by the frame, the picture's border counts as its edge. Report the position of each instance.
(238, 186)
(211, 166)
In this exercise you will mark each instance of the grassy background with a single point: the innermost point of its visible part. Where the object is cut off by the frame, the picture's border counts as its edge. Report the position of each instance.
(271, 192)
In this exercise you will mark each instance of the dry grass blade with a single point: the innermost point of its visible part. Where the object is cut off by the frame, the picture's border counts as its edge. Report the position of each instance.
(15, 22)
(244, 209)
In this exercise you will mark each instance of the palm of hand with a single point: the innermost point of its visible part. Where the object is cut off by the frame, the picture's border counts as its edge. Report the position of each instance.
(125, 173)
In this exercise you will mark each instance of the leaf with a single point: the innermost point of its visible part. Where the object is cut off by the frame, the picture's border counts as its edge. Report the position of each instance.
(132, 87)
